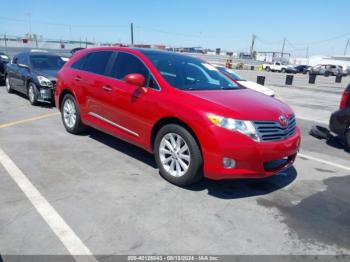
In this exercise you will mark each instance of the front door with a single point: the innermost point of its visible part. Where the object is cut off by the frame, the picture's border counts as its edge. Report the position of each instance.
(129, 106)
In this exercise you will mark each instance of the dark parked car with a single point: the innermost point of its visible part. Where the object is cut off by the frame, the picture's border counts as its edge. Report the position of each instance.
(33, 74)
(4, 59)
(302, 68)
(340, 120)
(326, 70)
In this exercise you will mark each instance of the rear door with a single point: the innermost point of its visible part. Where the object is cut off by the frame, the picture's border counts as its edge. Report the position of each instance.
(23, 72)
(91, 80)
(12, 72)
(278, 66)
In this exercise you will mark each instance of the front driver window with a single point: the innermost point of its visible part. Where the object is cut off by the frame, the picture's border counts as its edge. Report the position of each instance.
(128, 64)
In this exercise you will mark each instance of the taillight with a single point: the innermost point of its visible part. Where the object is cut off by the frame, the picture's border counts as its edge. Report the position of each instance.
(344, 100)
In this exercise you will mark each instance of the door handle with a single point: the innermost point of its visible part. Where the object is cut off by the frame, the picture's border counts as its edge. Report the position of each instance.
(107, 88)
(77, 78)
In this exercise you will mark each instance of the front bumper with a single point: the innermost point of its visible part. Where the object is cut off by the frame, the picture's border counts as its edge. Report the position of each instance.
(46, 94)
(253, 159)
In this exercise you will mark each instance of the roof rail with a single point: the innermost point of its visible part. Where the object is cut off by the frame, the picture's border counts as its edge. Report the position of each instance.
(38, 50)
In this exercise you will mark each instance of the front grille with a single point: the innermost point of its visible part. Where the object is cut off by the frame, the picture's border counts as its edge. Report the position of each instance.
(273, 131)
(53, 84)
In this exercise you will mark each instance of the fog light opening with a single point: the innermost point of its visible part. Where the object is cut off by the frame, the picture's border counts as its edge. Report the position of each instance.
(228, 163)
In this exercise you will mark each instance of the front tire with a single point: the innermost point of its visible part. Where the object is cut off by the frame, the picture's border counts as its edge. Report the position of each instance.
(32, 94)
(8, 85)
(71, 115)
(178, 155)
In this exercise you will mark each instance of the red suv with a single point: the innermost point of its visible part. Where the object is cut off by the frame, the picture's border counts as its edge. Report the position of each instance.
(195, 120)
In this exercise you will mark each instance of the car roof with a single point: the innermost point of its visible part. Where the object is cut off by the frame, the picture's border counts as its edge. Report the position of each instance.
(143, 51)
(29, 53)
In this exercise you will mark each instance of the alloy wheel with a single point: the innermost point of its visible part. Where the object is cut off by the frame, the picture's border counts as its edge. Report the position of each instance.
(31, 94)
(174, 154)
(69, 113)
(8, 87)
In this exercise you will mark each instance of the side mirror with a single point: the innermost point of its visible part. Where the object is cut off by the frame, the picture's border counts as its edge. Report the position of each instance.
(135, 79)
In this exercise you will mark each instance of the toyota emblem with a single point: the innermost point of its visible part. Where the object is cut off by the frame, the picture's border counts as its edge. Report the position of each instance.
(283, 121)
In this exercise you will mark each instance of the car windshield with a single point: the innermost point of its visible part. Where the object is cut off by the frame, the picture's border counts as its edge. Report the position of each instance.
(46, 62)
(188, 73)
(231, 73)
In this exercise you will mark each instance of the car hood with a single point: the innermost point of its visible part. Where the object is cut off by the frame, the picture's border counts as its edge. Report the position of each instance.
(244, 104)
(50, 74)
(256, 87)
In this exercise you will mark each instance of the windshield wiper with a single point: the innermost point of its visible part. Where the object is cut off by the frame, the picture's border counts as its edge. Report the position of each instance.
(192, 88)
(228, 88)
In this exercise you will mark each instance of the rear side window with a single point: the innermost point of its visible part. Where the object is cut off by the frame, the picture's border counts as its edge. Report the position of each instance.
(128, 64)
(97, 62)
(79, 64)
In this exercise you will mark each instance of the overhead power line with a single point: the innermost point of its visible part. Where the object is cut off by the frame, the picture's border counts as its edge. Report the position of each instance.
(166, 32)
(59, 24)
(330, 39)
(268, 42)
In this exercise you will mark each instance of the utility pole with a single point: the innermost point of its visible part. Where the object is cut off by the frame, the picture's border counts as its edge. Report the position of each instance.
(132, 33)
(252, 46)
(29, 14)
(346, 47)
(36, 40)
(284, 43)
(5, 38)
(70, 33)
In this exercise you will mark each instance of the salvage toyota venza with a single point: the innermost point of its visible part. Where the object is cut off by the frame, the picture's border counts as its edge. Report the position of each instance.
(195, 120)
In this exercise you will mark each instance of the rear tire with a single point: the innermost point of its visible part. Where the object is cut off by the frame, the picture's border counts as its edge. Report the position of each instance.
(283, 70)
(71, 115)
(178, 155)
(32, 94)
(8, 85)
(267, 69)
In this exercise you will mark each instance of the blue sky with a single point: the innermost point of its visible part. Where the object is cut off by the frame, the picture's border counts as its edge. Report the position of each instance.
(228, 24)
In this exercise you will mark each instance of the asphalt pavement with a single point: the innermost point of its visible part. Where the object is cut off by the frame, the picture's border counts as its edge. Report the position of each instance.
(108, 198)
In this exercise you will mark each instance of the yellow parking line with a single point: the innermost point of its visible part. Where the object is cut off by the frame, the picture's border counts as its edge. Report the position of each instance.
(28, 120)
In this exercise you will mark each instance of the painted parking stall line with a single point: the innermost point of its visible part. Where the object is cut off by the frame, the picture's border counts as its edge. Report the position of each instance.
(65, 234)
(324, 161)
(28, 120)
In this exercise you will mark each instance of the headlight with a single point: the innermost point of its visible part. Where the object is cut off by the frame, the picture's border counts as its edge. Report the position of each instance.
(245, 127)
(43, 81)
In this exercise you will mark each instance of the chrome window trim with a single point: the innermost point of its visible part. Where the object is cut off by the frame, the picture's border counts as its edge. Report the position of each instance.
(115, 59)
